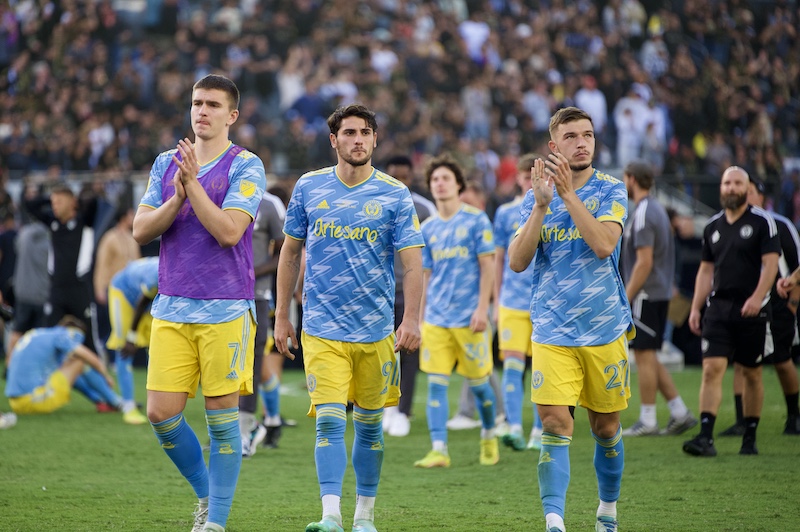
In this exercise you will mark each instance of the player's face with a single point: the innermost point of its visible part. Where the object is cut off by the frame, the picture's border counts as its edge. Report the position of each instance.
(444, 185)
(575, 140)
(355, 141)
(63, 206)
(524, 179)
(733, 189)
(211, 113)
(401, 173)
(753, 197)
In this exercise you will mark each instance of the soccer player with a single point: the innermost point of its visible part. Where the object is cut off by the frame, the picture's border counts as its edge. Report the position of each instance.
(458, 262)
(201, 199)
(130, 293)
(351, 218)
(783, 327)
(648, 267)
(396, 419)
(512, 303)
(740, 260)
(46, 364)
(267, 242)
(580, 314)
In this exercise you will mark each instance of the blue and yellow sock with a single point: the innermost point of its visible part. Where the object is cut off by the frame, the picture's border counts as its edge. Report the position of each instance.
(182, 447)
(437, 408)
(368, 450)
(485, 399)
(554, 472)
(271, 395)
(609, 461)
(124, 367)
(513, 371)
(330, 453)
(224, 461)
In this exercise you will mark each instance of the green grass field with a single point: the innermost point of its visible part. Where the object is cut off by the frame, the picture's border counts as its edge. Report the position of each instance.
(83, 471)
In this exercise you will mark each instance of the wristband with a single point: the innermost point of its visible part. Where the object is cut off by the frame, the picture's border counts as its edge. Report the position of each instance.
(131, 337)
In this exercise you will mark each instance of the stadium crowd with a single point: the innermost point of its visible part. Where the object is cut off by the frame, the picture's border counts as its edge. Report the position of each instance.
(690, 86)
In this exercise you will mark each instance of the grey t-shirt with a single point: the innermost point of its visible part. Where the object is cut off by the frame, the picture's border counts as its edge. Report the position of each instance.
(649, 226)
(31, 279)
(268, 226)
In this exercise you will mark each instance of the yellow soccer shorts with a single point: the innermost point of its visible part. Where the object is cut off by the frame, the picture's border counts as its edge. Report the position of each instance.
(514, 330)
(45, 399)
(218, 356)
(338, 372)
(596, 377)
(444, 348)
(120, 314)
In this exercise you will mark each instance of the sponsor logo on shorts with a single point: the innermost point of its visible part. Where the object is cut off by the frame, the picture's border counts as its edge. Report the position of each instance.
(704, 345)
(311, 383)
(537, 380)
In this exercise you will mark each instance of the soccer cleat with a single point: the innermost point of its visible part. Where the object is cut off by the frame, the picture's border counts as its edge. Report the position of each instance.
(213, 527)
(605, 523)
(134, 417)
(200, 516)
(288, 422)
(433, 459)
(748, 446)
(737, 429)
(272, 437)
(535, 440)
(105, 408)
(680, 425)
(640, 429)
(490, 452)
(554, 529)
(256, 437)
(364, 525)
(700, 446)
(246, 448)
(462, 422)
(8, 420)
(329, 523)
(792, 426)
(400, 425)
(515, 441)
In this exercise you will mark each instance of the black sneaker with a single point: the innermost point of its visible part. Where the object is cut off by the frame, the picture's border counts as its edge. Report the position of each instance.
(748, 447)
(792, 426)
(737, 429)
(700, 446)
(272, 437)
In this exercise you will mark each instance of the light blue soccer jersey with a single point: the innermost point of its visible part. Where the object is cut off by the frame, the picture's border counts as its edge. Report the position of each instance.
(451, 252)
(515, 289)
(37, 355)
(351, 235)
(247, 185)
(578, 298)
(139, 277)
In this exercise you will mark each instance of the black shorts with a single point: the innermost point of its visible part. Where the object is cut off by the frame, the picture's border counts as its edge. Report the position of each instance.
(28, 316)
(650, 318)
(743, 341)
(783, 329)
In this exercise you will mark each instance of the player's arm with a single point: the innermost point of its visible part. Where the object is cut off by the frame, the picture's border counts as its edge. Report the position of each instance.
(769, 269)
(702, 287)
(408, 335)
(641, 270)
(523, 245)
(130, 338)
(426, 277)
(106, 251)
(288, 272)
(479, 318)
(87, 355)
(499, 260)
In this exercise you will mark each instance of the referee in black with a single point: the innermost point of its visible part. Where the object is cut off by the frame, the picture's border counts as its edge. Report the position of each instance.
(738, 268)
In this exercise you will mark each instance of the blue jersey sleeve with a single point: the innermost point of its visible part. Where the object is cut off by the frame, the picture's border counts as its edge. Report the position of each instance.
(427, 258)
(406, 224)
(526, 208)
(614, 203)
(501, 226)
(248, 182)
(483, 235)
(152, 196)
(296, 223)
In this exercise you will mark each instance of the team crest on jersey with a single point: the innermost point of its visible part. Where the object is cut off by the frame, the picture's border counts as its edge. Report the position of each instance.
(487, 236)
(247, 188)
(415, 219)
(591, 205)
(746, 231)
(715, 237)
(373, 209)
(617, 209)
(461, 232)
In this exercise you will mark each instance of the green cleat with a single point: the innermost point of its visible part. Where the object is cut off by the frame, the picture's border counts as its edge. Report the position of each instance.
(364, 525)
(515, 441)
(329, 523)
